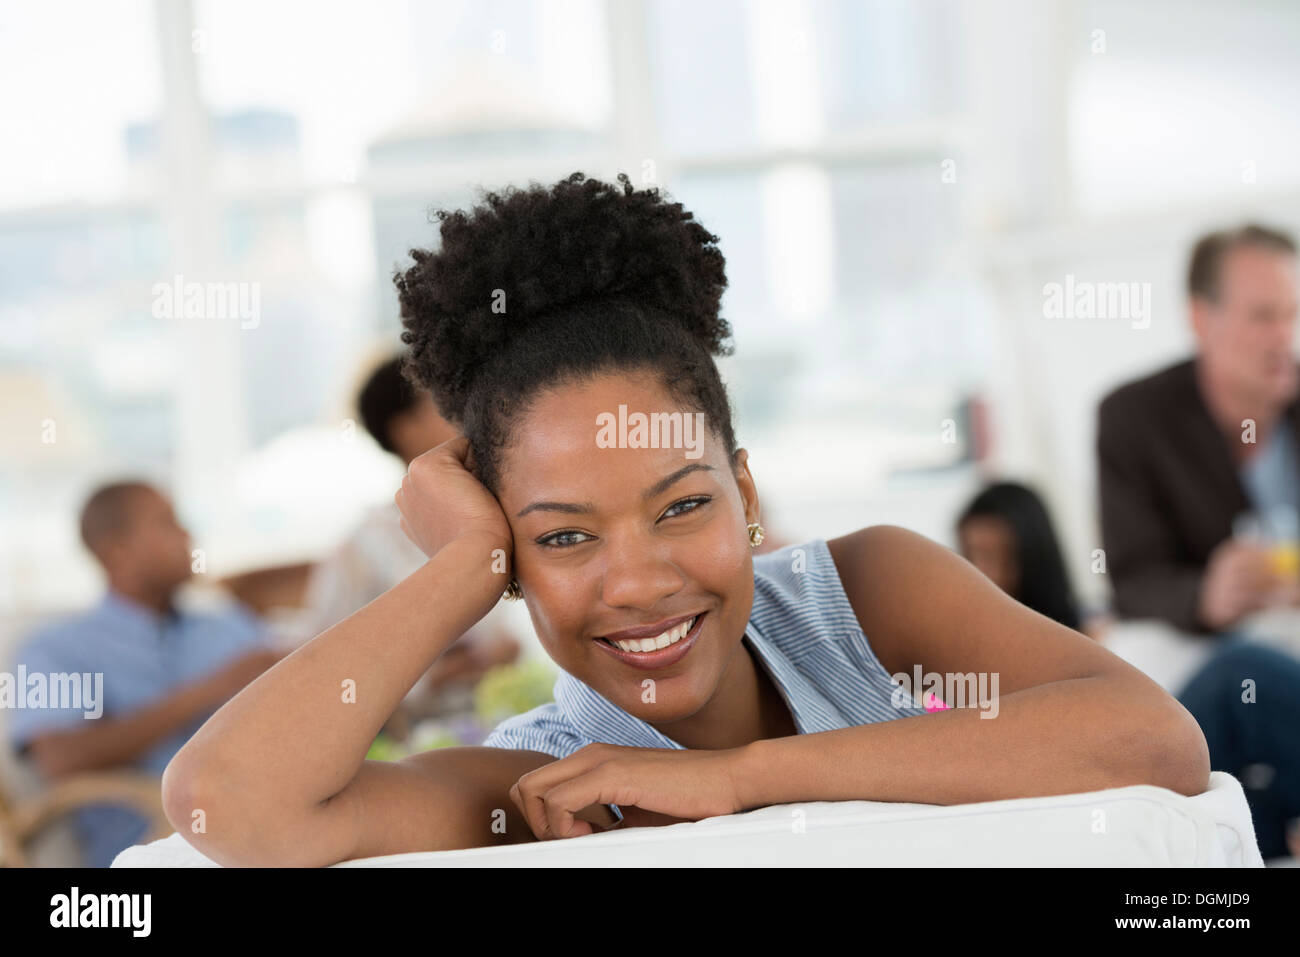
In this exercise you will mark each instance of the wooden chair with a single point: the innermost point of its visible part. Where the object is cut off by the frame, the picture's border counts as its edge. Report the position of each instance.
(21, 821)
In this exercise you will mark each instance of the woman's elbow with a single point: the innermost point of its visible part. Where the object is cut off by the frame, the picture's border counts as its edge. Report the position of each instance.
(190, 800)
(1181, 760)
(179, 788)
(205, 808)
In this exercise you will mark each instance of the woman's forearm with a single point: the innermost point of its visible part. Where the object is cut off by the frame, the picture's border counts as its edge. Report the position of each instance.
(1072, 736)
(298, 734)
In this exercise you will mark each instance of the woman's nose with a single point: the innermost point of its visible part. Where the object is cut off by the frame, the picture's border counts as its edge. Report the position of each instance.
(639, 576)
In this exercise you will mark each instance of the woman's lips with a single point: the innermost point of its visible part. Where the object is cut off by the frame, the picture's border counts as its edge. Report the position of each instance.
(660, 657)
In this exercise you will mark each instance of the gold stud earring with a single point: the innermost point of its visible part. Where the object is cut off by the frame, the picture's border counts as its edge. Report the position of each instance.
(755, 534)
(513, 592)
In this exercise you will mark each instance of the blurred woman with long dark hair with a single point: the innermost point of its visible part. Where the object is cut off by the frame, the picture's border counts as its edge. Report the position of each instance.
(1007, 534)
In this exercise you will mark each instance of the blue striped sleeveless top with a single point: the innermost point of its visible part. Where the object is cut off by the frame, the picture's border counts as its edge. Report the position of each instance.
(801, 628)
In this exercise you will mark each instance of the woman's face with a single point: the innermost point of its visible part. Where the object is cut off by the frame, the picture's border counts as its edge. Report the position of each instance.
(608, 540)
(989, 543)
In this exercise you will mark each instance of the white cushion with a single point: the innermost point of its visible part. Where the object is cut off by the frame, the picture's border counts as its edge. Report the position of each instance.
(1140, 826)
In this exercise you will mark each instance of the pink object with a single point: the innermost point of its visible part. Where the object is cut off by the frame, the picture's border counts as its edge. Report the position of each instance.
(934, 703)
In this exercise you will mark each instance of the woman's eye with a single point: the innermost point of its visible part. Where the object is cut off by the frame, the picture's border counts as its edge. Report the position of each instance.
(560, 539)
(684, 506)
(569, 538)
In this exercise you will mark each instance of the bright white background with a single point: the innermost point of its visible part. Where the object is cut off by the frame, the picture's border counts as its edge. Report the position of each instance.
(299, 145)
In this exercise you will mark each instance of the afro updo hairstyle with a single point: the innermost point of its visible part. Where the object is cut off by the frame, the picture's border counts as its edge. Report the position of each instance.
(538, 287)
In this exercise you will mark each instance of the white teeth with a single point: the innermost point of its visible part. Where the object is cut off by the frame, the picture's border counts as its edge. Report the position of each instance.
(670, 637)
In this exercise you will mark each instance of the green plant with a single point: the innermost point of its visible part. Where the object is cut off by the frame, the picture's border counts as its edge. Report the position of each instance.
(508, 690)
(384, 748)
(426, 739)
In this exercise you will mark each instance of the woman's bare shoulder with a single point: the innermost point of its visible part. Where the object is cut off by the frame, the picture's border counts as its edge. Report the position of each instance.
(880, 558)
(889, 574)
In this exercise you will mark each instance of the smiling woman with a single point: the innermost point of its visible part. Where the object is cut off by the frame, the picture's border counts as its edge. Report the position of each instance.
(697, 679)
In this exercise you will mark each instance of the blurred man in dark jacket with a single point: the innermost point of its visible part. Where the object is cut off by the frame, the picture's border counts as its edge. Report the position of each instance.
(1188, 451)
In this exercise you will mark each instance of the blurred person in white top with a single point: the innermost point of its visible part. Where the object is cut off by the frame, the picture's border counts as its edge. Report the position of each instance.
(378, 555)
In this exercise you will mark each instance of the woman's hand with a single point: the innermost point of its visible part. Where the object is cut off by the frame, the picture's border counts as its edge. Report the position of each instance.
(442, 501)
(685, 785)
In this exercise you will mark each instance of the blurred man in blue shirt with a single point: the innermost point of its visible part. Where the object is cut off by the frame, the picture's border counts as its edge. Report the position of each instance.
(164, 670)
